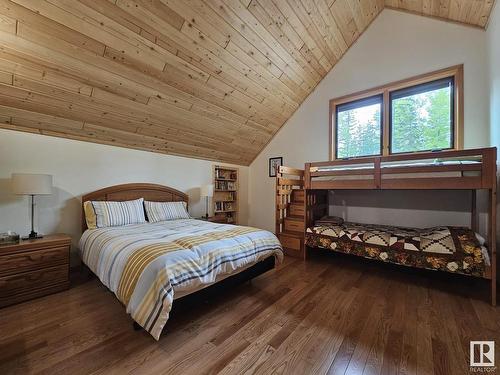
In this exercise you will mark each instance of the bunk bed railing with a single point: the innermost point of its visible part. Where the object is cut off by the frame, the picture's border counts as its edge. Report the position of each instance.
(457, 169)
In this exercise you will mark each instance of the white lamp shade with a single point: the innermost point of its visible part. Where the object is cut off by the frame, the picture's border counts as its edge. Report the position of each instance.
(207, 191)
(31, 184)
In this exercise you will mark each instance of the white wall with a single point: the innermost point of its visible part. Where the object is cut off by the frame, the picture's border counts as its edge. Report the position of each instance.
(493, 37)
(493, 48)
(396, 46)
(79, 168)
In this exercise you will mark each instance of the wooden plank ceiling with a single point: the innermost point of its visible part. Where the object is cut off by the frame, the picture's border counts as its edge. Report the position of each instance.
(210, 79)
(470, 12)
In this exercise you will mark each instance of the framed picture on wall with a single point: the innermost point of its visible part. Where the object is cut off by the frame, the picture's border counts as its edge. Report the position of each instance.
(274, 163)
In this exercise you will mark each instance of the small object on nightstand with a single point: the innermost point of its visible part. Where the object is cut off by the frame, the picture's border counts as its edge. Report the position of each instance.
(9, 238)
(34, 268)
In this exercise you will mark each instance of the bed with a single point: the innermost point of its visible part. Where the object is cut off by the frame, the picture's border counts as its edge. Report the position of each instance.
(455, 250)
(147, 266)
(450, 249)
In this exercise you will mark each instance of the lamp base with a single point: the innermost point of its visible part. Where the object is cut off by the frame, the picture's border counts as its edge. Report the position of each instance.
(33, 236)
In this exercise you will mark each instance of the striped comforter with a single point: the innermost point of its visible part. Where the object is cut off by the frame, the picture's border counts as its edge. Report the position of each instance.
(146, 265)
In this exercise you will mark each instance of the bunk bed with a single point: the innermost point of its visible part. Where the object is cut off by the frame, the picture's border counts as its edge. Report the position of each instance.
(450, 249)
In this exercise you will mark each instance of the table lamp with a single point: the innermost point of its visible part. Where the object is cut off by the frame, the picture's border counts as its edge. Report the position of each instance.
(207, 191)
(32, 184)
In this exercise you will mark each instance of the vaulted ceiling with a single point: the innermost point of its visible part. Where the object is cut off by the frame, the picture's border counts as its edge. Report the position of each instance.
(210, 79)
(470, 12)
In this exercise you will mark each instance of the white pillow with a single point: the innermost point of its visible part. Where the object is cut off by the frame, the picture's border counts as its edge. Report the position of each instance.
(100, 214)
(162, 211)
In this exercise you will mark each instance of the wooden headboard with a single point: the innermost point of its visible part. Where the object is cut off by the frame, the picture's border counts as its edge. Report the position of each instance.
(126, 192)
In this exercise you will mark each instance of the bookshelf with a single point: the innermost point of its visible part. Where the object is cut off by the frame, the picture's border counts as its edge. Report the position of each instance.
(226, 193)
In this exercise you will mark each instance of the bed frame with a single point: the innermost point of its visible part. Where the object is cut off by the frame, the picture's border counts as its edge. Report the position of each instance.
(160, 193)
(384, 173)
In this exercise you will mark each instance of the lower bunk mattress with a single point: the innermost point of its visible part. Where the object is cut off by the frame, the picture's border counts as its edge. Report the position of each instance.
(451, 249)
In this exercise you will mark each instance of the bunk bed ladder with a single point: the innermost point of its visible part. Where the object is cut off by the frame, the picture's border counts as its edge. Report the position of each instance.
(290, 210)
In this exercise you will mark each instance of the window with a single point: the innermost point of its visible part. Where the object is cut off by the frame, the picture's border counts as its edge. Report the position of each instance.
(359, 128)
(419, 114)
(422, 117)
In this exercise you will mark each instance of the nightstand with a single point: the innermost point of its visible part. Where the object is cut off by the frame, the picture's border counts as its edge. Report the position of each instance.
(214, 219)
(34, 268)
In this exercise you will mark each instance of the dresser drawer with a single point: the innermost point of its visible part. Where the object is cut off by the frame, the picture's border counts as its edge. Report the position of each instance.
(296, 209)
(34, 268)
(290, 242)
(298, 195)
(294, 225)
(33, 260)
(29, 282)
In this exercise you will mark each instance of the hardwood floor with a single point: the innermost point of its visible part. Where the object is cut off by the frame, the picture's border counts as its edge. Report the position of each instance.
(333, 314)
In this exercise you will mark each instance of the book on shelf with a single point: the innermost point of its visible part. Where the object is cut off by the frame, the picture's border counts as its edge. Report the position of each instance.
(224, 206)
(225, 174)
(225, 185)
(229, 196)
(218, 206)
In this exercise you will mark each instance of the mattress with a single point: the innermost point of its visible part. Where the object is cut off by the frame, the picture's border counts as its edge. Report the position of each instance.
(395, 176)
(404, 163)
(148, 265)
(450, 249)
(385, 168)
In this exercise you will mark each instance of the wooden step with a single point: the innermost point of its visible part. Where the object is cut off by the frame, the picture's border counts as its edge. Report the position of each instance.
(298, 195)
(292, 234)
(294, 224)
(296, 209)
(293, 243)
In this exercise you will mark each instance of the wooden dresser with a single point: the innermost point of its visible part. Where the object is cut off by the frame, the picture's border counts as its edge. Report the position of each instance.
(34, 268)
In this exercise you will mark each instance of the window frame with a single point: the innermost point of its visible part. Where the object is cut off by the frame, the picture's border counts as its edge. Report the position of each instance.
(455, 72)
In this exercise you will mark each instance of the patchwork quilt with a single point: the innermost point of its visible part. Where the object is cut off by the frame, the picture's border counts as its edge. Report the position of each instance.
(148, 265)
(451, 249)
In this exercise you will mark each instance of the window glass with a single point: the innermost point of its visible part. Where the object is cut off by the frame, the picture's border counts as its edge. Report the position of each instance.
(422, 117)
(359, 128)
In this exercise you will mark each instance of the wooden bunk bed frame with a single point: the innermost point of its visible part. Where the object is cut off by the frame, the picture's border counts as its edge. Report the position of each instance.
(422, 171)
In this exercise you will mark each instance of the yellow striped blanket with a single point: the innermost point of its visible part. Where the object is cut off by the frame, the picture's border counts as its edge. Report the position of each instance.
(146, 265)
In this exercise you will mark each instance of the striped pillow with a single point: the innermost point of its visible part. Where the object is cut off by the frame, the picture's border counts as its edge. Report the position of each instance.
(162, 211)
(112, 214)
